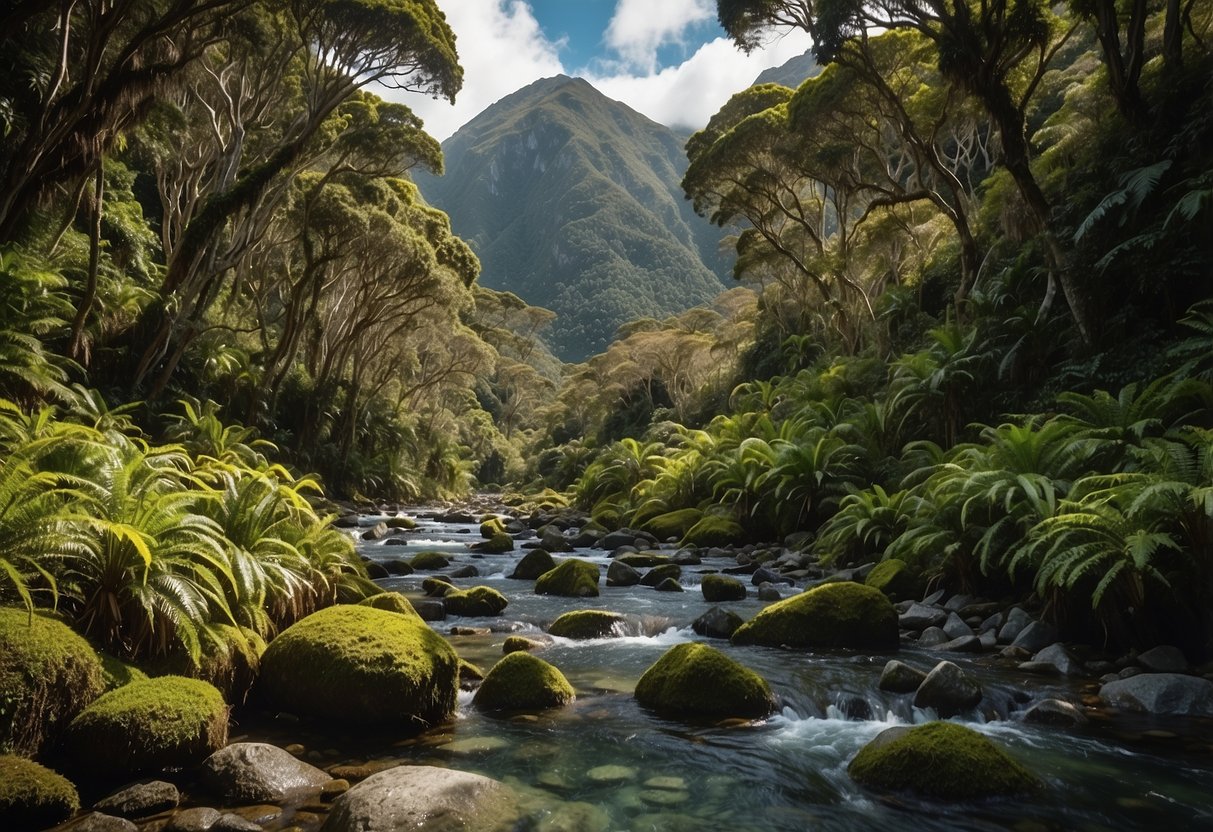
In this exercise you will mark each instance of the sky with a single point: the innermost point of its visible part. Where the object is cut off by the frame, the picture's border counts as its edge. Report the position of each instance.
(669, 59)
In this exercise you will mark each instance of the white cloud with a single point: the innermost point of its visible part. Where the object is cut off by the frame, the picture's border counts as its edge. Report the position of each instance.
(640, 27)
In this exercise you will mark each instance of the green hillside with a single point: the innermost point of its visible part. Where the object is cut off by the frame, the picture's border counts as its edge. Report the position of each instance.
(571, 200)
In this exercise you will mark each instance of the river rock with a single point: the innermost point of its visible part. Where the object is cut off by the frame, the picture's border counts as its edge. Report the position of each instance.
(620, 574)
(479, 601)
(964, 644)
(375, 570)
(623, 537)
(949, 690)
(1163, 659)
(920, 616)
(199, 819)
(396, 566)
(1162, 694)
(522, 682)
(376, 532)
(533, 564)
(669, 585)
(257, 772)
(695, 680)
(840, 614)
(1016, 621)
(553, 539)
(899, 677)
(768, 592)
(99, 822)
(766, 575)
(586, 624)
(231, 822)
(722, 588)
(895, 579)
(575, 817)
(516, 644)
(465, 571)
(955, 627)
(659, 573)
(932, 637)
(430, 610)
(717, 623)
(1036, 636)
(141, 800)
(426, 799)
(1054, 712)
(429, 561)
(1057, 657)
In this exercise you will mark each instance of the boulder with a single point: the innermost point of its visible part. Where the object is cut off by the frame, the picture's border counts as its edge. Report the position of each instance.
(674, 524)
(533, 564)
(32, 796)
(948, 689)
(920, 616)
(895, 579)
(429, 561)
(430, 610)
(669, 585)
(933, 637)
(197, 819)
(940, 761)
(47, 674)
(492, 526)
(620, 574)
(713, 531)
(100, 822)
(1161, 694)
(360, 666)
(396, 566)
(553, 539)
(141, 800)
(1016, 621)
(256, 772)
(695, 680)
(763, 575)
(717, 623)
(424, 799)
(899, 677)
(964, 644)
(392, 602)
(1163, 659)
(437, 585)
(572, 578)
(376, 532)
(148, 726)
(1036, 636)
(496, 545)
(522, 682)
(586, 624)
(768, 592)
(465, 571)
(622, 537)
(401, 522)
(117, 672)
(955, 627)
(515, 644)
(1054, 712)
(642, 560)
(842, 614)
(477, 601)
(1057, 657)
(722, 588)
(660, 573)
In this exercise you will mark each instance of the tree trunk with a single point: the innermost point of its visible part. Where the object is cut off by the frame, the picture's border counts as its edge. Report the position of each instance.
(76, 349)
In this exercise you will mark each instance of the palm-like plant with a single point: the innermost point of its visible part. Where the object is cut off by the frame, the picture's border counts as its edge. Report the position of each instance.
(865, 524)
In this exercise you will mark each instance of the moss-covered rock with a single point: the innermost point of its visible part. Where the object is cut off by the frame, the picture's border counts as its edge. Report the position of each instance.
(491, 526)
(118, 672)
(47, 675)
(722, 588)
(437, 586)
(896, 579)
(391, 602)
(515, 644)
(659, 573)
(469, 674)
(401, 522)
(572, 578)
(522, 682)
(673, 523)
(429, 561)
(496, 545)
(669, 585)
(533, 564)
(844, 614)
(695, 680)
(713, 531)
(32, 796)
(644, 560)
(477, 601)
(940, 761)
(583, 624)
(147, 726)
(361, 666)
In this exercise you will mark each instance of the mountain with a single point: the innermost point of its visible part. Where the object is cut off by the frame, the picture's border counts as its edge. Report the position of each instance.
(572, 202)
(792, 72)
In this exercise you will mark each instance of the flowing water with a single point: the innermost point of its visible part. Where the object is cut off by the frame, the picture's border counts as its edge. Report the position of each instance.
(639, 771)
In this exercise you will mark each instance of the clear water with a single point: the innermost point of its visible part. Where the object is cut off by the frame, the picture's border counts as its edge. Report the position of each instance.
(785, 772)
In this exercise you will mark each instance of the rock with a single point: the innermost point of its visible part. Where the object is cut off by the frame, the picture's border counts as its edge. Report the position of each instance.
(437, 585)
(334, 788)
(949, 690)
(457, 518)
(514, 644)
(623, 537)
(1036, 636)
(33, 796)
(767, 592)
(256, 772)
(496, 545)
(964, 644)
(477, 601)
(401, 522)
(586, 539)
(1054, 712)
(533, 564)
(99, 822)
(895, 579)
(920, 616)
(375, 570)
(1163, 659)
(465, 571)
(575, 817)
(149, 725)
(47, 675)
(695, 680)
(620, 574)
(717, 623)
(425, 799)
(392, 602)
(933, 637)
(234, 823)
(763, 575)
(713, 531)
(1057, 657)
(199, 819)
(669, 585)
(899, 677)
(430, 610)
(610, 774)
(831, 615)
(955, 627)
(1161, 694)
(642, 560)
(674, 524)
(141, 800)
(572, 578)
(722, 588)
(660, 573)
(360, 666)
(552, 539)
(586, 624)
(1016, 621)
(939, 761)
(492, 526)
(428, 561)
(522, 682)
(376, 532)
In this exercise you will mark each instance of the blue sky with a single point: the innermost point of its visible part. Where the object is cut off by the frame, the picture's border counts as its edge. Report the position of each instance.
(666, 58)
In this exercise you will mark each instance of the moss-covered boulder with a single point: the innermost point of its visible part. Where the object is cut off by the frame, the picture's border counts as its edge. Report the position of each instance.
(469, 674)
(695, 680)
(533, 564)
(47, 674)
(843, 614)
(401, 522)
(896, 579)
(118, 672)
(33, 796)
(584, 624)
(477, 601)
(391, 602)
(147, 726)
(498, 544)
(722, 588)
(522, 682)
(644, 560)
(673, 523)
(436, 586)
(572, 578)
(515, 644)
(491, 526)
(713, 531)
(360, 666)
(429, 561)
(659, 573)
(940, 761)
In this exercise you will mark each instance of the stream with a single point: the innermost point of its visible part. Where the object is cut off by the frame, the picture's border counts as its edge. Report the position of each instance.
(637, 771)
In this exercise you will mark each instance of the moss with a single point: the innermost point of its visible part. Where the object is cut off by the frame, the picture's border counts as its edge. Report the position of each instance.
(659, 573)
(361, 666)
(940, 761)
(673, 523)
(722, 588)
(644, 560)
(230, 660)
(533, 564)
(713, 531)
(477, 601)
(437, 585)
(117, 672)
(895, 579)
(33, 796)
(584, 624)
(572, 578)
(490, 527)
(522, 682)
(514, 644)
(469, 673)
(844, 614)
(498, 544)
(429, 561)
(694, 679)
(391, 602)
(147, 726)
(401, 522)
(47, 674)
